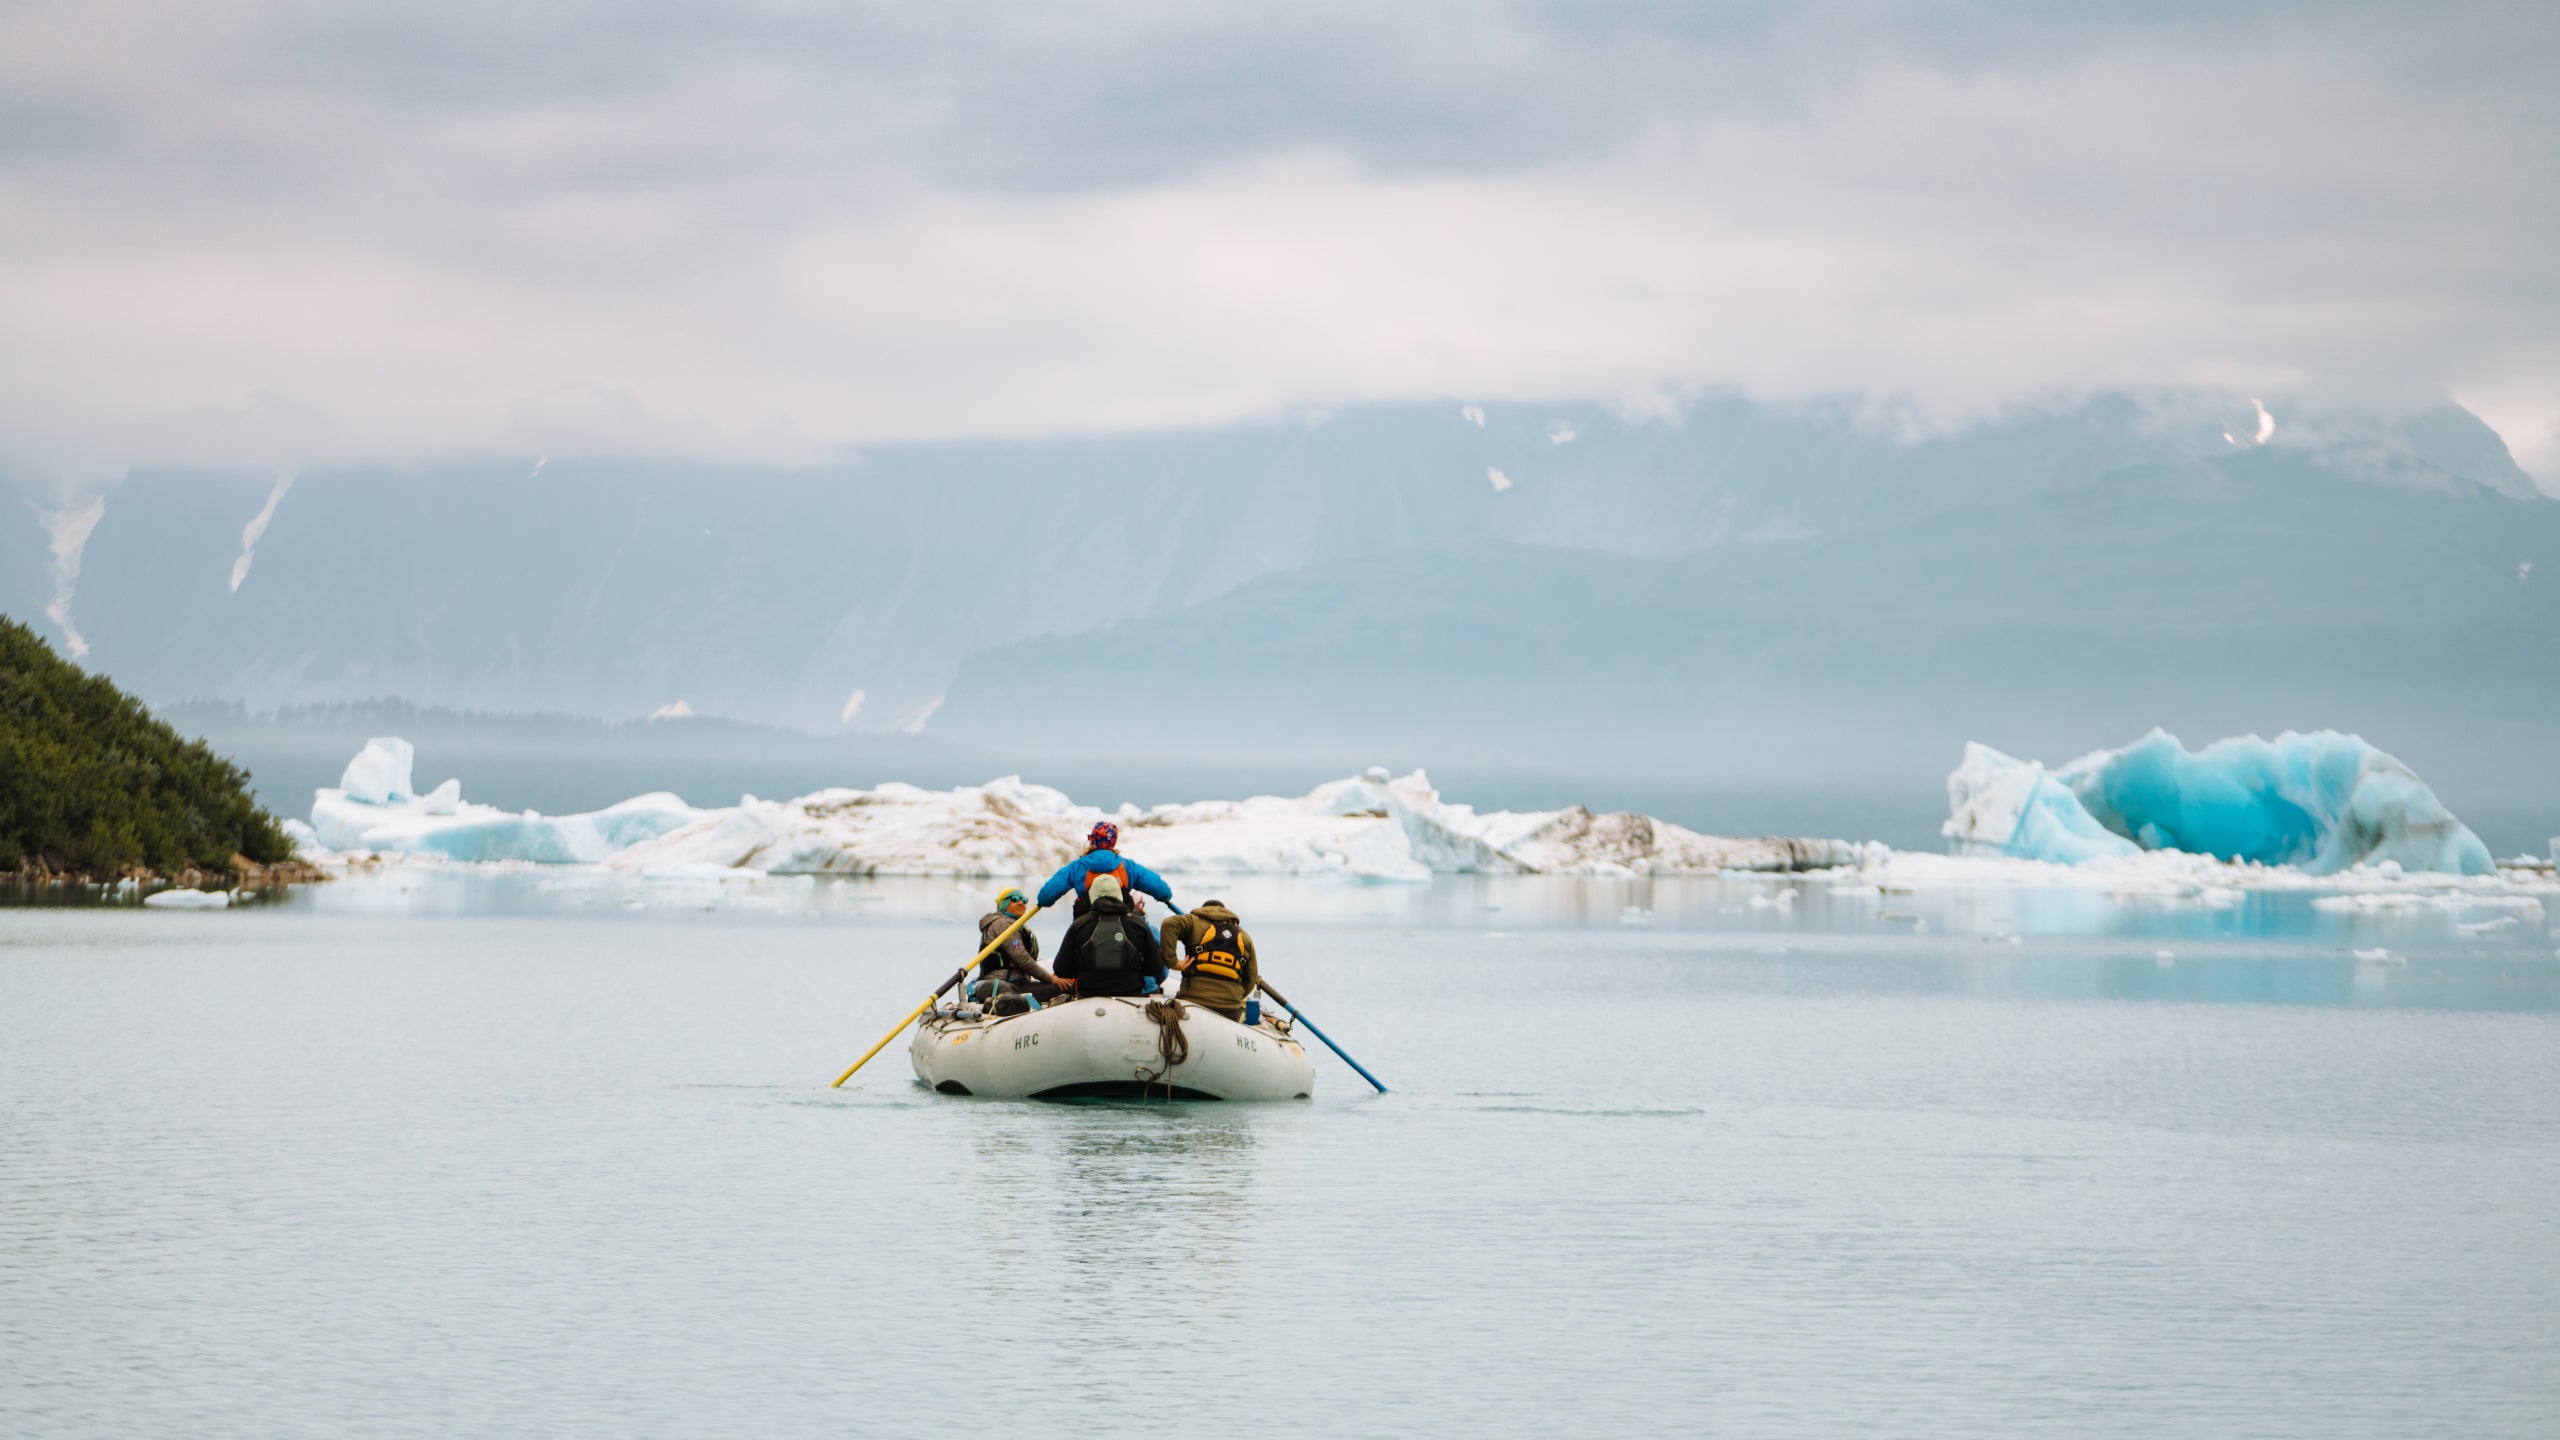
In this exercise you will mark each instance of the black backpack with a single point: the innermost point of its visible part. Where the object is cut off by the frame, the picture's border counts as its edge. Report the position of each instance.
(1112, 951)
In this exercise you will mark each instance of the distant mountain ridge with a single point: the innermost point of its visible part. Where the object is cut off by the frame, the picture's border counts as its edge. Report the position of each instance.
(2250, 594)
(613, 590)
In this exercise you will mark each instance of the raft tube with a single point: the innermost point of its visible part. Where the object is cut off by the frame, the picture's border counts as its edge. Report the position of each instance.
(1107, 1047)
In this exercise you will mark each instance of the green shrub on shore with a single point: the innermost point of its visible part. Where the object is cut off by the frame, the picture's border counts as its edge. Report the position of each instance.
(91, 784)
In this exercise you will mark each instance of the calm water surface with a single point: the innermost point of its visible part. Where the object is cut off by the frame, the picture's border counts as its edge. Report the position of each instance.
(430, 1155)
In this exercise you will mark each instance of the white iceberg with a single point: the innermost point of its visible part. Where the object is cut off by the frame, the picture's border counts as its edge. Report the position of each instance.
(1369, 826)
(2321, 802)
(376, 807)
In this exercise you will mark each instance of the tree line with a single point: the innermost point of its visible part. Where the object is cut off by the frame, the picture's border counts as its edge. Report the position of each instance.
(91, 784)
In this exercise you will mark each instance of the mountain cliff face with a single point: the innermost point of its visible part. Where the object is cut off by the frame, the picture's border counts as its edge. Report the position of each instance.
(614, 590)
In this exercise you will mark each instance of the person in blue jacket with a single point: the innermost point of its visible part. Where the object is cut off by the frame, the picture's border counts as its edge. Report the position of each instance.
(1102, 857)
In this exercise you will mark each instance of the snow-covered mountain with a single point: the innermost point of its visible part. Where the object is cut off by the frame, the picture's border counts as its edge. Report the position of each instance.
(852, 597)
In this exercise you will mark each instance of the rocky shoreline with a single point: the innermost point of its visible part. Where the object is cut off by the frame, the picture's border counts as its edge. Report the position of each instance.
(245, 877)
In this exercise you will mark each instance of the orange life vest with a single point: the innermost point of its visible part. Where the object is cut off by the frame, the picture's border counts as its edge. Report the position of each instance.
(1120, 872)
(1222, 954)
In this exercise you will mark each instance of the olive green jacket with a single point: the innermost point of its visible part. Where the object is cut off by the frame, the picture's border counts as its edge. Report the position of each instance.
(1184, 933)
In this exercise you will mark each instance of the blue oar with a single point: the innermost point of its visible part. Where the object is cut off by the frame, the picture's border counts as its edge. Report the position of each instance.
(1327, 1039)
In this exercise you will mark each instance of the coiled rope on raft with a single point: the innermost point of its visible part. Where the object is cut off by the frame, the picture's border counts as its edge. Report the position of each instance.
(1172, 1046)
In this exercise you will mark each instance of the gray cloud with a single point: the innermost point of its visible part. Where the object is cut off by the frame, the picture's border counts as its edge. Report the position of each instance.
(273, 234)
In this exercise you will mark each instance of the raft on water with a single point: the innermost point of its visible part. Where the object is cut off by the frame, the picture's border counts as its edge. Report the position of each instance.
(1110, 1047)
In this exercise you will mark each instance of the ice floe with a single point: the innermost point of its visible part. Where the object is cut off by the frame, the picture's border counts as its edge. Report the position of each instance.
(1370, 826)
(1367, 827)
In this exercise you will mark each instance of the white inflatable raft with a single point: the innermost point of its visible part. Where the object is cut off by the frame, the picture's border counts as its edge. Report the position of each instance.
(1108, 1047)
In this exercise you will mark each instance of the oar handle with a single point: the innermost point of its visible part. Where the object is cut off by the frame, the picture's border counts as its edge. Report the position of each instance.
(940, 990)
(1302, 1019)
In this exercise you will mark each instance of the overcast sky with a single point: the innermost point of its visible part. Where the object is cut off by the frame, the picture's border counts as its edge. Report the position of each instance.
(265, 234)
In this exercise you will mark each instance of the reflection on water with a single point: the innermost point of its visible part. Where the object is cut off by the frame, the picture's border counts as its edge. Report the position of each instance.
(1755, 904)
(1148, 1199)
(2274, 947)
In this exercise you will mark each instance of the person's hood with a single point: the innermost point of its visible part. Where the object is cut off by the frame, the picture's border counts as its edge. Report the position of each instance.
(1216, 912)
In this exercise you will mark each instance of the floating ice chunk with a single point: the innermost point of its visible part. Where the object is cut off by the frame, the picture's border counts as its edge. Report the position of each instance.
(188, 899)
(483, 832)
(2001, 805)
(380, 773)
(375, 808)
(2321, 801)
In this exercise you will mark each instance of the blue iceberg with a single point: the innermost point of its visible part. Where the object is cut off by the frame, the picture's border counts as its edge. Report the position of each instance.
(2320, 802)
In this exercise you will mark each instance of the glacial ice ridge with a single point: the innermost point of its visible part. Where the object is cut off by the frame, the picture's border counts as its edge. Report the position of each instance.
(1370, 826)
(2321, 802)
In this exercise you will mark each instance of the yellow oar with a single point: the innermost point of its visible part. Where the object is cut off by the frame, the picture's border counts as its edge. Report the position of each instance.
(956, 977)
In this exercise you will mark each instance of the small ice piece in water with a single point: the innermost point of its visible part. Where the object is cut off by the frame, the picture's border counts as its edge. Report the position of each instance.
(188, 900)
(1635, 916)
(2374, 957)
(2165, 958)
(2485, 927)
(1498, 480)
